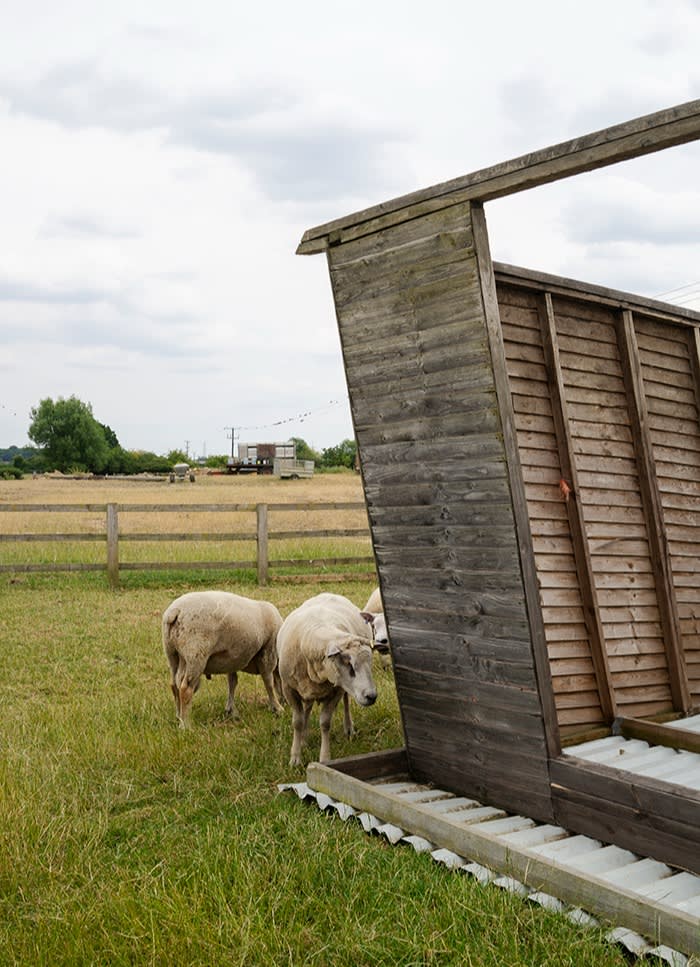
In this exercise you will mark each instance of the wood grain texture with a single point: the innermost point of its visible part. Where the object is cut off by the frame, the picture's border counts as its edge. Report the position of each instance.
(425, 403)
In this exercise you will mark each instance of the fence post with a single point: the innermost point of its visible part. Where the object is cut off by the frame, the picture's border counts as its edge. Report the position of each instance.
(261, 511)
(112, 546)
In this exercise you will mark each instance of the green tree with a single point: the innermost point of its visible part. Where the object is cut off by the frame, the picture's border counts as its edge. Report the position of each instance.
(341, 455)
(177, 456)
(69, 435)
(303, 451)
(110, 436)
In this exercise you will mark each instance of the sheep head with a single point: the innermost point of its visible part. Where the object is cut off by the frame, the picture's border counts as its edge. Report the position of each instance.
(349, 666)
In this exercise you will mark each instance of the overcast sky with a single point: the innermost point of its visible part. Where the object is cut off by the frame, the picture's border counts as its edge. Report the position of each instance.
(160, 161)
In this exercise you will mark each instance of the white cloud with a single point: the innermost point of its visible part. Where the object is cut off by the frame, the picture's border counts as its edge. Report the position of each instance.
(161, 162)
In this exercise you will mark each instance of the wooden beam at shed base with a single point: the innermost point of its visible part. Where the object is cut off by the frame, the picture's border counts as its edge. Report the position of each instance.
(651, 918)
(657, 734)
(643, 135)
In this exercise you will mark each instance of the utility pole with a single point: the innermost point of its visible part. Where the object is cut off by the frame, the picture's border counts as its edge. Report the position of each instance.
(187, 449)
(232, 437)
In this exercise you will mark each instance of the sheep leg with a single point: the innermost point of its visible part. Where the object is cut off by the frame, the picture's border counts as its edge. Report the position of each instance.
(279, 691)
(187, 683)
(269, 683)
(232, 682)
(174, 661)
(327, 710)
(348, 726)
(301, 711)
(185, 692)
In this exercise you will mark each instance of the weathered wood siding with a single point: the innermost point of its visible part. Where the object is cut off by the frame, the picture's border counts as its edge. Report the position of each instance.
(573, 673)
(605, 398)
(669, 361)
(421, 381)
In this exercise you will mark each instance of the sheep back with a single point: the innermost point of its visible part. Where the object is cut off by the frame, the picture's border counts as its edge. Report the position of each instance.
(225, 630)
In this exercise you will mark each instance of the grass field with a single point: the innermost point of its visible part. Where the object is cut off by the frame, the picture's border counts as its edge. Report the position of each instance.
(126, 841)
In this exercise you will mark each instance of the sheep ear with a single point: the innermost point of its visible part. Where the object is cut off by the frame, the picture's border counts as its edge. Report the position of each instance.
(333, 649)
(368, 616)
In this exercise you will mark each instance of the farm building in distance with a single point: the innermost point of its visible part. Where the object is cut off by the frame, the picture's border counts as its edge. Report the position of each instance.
(530, 451)
(270, 458)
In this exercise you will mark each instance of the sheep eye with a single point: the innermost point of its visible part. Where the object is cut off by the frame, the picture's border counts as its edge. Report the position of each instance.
(352, 671)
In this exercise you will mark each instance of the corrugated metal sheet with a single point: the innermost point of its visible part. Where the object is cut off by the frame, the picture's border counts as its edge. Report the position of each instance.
(639, 757)
(646, 879)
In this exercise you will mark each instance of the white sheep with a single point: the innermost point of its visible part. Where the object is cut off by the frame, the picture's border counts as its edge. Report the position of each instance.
(375, 608)
(219, 633)
(325, 653)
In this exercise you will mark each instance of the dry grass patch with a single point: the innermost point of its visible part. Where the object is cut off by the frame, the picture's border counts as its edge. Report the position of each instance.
(234, 531)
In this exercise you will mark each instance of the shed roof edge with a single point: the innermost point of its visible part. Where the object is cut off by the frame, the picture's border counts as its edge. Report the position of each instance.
(643, 135)
(619, 298)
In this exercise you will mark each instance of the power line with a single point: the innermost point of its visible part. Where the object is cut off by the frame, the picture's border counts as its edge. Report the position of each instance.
(688, 300)
(299, 418)
(680, 288)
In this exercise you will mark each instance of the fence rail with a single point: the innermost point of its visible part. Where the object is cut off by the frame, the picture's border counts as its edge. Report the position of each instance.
(113, 538)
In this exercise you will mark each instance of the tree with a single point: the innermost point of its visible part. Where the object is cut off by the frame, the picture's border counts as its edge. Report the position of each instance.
(303, 451)
(177, 456)
(110, 436)
(69, 435)
(341, 455)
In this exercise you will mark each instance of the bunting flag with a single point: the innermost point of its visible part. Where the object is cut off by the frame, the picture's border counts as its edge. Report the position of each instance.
(299, 418)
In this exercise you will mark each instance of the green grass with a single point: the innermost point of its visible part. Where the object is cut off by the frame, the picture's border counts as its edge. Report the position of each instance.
(125, 841)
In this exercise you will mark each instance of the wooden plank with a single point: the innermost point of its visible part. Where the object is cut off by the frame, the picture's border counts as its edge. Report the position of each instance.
(652, 797)
(483, 720)
(374, 765)
(53, 567)
(49, 538)
(262, 544)
(595, 296)
(635, 812)
(196, 536)
(651, 918)
(652, 502)
(54, 508)
(652, 132)
(658, 734)
(569, 474)
(112, 528)
(503, 790)
(584, 812)
(520, 511)
(661, 343)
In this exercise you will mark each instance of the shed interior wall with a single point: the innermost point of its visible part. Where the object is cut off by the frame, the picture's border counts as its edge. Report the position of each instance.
(633, 611)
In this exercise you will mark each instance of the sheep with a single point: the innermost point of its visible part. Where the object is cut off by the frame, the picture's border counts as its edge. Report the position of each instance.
(325, 653)
(219, 633)
(375, 608)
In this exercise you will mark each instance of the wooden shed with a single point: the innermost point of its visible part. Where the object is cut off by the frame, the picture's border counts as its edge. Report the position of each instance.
(530, 451)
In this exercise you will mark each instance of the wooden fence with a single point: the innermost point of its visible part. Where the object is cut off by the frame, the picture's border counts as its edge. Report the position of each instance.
(113, 538)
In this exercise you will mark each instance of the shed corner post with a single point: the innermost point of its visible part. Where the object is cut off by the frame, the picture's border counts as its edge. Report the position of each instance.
(487, 281)
(112, 546)
(262, 535)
